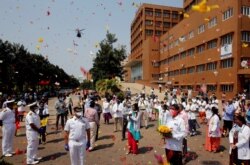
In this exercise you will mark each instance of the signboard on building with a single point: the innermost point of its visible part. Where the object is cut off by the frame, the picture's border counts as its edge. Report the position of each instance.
(226, 51)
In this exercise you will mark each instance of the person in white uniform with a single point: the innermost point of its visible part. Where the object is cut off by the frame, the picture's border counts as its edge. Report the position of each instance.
(239, 139)
(21, 109)
(7, 121)
(32, 123)
(173, 147)
(75, 138)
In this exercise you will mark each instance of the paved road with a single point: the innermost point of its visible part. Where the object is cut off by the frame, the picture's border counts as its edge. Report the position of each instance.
(110, 149)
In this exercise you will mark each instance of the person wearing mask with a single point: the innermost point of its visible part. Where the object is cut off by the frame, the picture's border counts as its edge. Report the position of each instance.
(21, 109)
(134, 134)
(32, 123)
(239, 139)
(77, 137)
(127, 107)
(191, 109)
(228, 118)
(7, 122)
(60, 107)
(214, 133)
(164, 115)
(98, 108)
(92, 116)
(142, 107)
(43, 113)
(174, 143)
(117, 114)
(106, 111)
(69, 103)
(208, 109)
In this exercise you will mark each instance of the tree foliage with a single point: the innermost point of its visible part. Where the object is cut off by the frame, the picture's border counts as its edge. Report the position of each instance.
(110, 86)
(107, 63)
(20, 70)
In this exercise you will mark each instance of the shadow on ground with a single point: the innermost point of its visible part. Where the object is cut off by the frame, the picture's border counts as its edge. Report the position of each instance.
(103, 146)
(143, 150)
(53, 156)
(151, 125)
(105, 137)
(190, 156)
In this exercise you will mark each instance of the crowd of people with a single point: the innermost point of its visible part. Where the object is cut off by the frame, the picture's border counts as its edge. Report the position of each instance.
(182, 113)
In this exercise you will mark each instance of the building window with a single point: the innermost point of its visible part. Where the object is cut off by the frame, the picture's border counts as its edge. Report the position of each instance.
(158, 23)
(183, 71)
(176, 57)
(200, 48)
(212, 22)
(227, 39)
(183, 55)
(176, 72)
(171, 73)
(166, 14)
(201, 28)
(227, 14)
(227, 88)
(148, 22)
(149, 32)
(166, 24)
(200, 68)
(183, 38)
(212, 66)
(158, 32)
(191, 69)
(211, 88)
(245, 10)
(227, 63)
(175, 15)
(158, 13)
(245, 36)
(212, 44)
(191, 34)
(155, 76)
(148, 12)
(190, 52)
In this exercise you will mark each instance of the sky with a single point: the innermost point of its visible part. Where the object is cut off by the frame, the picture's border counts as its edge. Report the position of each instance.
(48, 27)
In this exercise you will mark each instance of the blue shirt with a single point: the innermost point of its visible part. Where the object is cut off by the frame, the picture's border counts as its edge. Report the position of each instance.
(229, 112)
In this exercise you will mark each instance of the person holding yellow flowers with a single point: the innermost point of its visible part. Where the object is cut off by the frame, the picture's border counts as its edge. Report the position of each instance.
(43, 113)
(176, 131)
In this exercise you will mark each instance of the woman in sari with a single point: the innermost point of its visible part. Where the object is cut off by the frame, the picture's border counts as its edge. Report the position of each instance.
(133, 129)
(213, 134)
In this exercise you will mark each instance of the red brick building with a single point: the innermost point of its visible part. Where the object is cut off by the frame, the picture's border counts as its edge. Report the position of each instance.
(209, 48)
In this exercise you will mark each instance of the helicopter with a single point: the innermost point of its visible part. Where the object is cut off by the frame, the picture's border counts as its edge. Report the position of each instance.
(79, 32)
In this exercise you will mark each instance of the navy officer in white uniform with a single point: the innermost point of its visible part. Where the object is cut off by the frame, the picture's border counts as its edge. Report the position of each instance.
(32, 123)
(7, 121)
(75, 137)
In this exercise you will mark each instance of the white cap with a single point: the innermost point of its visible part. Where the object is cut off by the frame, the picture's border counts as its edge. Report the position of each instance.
(19, 103)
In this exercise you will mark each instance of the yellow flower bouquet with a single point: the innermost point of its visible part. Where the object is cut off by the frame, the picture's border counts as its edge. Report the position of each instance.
(165, 131)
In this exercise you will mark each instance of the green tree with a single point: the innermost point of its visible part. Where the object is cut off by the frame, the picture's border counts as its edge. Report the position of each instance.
(108, 86)
(107, 63)
(20, 70)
